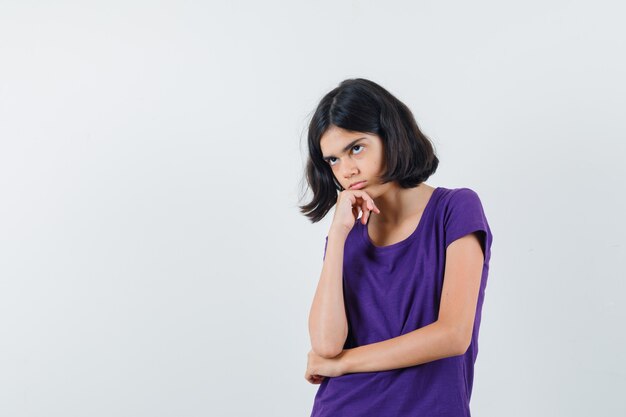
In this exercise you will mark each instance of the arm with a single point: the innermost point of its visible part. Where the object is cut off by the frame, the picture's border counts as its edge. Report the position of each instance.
(449, 336)
(328, 326)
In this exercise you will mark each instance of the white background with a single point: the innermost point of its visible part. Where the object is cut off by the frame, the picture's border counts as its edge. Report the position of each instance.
(153, 261)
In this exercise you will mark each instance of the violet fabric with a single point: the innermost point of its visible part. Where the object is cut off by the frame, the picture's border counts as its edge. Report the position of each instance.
(393, 290)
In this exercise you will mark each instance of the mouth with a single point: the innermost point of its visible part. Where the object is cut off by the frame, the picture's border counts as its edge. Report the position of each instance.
(357, 185)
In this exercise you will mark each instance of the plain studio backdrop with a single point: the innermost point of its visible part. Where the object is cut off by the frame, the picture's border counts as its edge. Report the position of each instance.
(153, 261)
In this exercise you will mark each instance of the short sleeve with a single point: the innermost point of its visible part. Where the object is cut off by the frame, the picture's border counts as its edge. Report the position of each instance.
(465, 215)
(325, 246)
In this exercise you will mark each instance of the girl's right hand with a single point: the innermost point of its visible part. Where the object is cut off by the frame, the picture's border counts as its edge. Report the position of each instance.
(349, 204)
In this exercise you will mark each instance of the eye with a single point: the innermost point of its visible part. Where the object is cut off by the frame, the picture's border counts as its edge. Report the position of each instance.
(330, 160)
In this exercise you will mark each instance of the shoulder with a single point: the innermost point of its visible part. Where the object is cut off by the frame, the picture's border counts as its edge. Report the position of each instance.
(459, 192)
(463, 213)
(453, 197)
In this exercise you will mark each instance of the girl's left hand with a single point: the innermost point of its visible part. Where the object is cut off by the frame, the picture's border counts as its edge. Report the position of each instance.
(319, 368)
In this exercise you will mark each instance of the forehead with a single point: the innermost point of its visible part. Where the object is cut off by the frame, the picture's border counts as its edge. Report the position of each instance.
(335, 139)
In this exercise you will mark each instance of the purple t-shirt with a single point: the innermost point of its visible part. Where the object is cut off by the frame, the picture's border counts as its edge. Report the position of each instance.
(393, 290)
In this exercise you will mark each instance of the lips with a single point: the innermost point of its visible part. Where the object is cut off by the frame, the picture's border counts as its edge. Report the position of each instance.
(357, 185)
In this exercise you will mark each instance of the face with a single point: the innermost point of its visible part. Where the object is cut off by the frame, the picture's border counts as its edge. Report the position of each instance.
(354, 157)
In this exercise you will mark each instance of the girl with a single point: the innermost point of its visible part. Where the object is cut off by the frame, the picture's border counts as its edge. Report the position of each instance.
(394, 321)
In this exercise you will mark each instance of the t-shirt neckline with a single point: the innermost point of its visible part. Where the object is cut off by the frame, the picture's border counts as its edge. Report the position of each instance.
(365, 235)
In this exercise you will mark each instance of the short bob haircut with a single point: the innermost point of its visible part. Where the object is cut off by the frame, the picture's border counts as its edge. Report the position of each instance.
(360, 105)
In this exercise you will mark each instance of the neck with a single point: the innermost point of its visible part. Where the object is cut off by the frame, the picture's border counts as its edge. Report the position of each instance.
(398, 204)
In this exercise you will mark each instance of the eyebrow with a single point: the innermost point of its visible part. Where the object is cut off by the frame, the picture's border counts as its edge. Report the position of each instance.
(351, 144)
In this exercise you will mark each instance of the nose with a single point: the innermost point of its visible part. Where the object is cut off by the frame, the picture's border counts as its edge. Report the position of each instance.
(349, 169)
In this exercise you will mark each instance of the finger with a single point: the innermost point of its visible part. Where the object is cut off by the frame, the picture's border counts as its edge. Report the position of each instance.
(372, 205)
(357, 206)
(363, 195)
(317, 379)
(364, 207)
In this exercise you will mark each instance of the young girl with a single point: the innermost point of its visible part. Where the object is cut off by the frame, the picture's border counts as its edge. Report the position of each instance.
(395, 318)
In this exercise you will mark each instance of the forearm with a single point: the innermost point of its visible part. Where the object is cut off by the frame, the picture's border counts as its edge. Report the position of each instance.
(426, 344)
(328, 325)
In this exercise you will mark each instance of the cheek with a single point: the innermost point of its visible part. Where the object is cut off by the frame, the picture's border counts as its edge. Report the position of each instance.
(381, 165)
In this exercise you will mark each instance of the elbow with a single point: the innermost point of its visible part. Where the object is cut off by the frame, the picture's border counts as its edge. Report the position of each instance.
(462, 348)
(327, 352)
(460, 341)
(328, 347)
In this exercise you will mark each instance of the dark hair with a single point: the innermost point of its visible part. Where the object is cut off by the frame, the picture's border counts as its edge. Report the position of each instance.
(360, 105)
